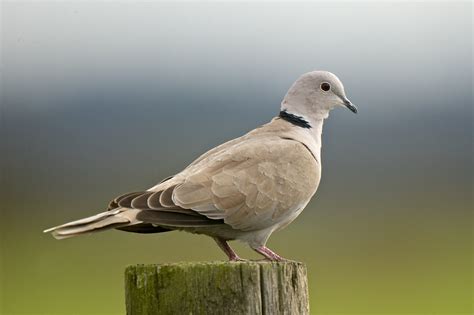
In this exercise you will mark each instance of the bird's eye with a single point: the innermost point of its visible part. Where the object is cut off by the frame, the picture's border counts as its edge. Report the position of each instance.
(325, 86)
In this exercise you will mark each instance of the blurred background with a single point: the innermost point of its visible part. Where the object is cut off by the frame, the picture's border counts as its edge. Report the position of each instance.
(101, 98)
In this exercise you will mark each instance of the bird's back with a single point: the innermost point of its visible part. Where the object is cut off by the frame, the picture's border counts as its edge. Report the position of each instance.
(261, 179)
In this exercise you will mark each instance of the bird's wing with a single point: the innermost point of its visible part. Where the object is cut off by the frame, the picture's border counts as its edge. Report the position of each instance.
(251, 185)
(155, 213)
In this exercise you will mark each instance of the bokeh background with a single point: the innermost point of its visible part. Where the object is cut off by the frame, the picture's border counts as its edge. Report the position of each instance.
(101, 98)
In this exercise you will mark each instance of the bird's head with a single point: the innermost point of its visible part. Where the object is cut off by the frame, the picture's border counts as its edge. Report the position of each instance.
(314, 94)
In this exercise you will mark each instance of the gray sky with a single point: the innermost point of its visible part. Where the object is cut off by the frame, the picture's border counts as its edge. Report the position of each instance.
(84, 81)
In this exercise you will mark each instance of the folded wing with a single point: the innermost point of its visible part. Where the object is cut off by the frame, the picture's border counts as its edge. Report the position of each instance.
(251, 185)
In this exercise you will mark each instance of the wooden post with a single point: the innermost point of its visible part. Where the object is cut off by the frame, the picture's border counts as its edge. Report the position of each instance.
(217, 288)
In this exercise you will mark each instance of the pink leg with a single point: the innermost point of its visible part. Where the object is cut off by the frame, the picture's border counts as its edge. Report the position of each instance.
(227, 250)
(268, 253)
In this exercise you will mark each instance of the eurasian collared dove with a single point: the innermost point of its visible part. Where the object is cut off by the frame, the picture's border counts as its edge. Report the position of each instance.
(244, 189)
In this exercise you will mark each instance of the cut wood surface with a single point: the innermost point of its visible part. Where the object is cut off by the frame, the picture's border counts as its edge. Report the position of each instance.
(248, 287)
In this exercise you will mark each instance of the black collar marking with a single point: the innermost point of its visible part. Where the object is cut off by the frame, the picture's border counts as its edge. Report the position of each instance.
(293, 119)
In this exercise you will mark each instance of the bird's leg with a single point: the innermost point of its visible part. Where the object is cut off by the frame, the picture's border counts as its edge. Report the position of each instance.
(268, 253)
(227, 249)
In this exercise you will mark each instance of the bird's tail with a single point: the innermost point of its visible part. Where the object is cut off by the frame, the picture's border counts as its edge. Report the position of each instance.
(103, 221)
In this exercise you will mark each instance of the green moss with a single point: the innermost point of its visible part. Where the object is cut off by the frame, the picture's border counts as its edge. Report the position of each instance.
(215, 288)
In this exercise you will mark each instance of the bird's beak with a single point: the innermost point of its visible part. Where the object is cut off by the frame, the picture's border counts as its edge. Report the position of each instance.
(349, 105)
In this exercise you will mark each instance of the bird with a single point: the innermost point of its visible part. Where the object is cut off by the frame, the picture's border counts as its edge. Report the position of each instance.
(244, 189)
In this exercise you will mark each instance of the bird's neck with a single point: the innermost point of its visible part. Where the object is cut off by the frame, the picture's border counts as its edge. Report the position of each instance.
(307, 130)
(313, 123)
(316, 129)
(316, 132)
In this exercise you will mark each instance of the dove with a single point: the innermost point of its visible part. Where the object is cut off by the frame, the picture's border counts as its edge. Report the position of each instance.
(244, 189)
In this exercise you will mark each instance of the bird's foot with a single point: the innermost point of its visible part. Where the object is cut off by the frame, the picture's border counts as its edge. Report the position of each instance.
(233, 257)
(236, 259)
(269, 254)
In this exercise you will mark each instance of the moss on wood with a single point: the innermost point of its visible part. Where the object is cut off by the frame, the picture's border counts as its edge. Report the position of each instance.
(217, 288)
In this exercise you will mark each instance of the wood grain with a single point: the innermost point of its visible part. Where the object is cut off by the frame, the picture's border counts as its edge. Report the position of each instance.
(217, 288)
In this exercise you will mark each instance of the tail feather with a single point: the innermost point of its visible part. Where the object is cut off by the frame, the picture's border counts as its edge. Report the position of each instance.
(90, 219)
(96, 223)
(107, 222)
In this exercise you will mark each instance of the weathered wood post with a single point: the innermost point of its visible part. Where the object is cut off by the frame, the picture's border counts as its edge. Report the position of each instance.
(217, 288)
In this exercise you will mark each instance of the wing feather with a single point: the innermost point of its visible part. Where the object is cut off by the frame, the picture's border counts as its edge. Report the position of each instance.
(153, 201)
(166, 197)
(249, 185)
(252, 186)
(141, 202)
(125, 201)
(173, 219)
